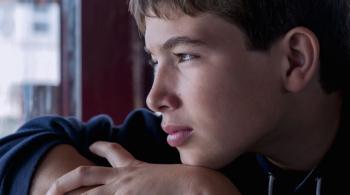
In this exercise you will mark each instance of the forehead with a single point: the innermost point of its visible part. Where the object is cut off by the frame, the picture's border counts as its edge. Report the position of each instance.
(205, 27)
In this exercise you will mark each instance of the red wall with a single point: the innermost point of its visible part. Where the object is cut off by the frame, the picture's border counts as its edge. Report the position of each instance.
(106, 65)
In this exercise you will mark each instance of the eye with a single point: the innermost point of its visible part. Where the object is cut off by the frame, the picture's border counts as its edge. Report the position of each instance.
(184, 57)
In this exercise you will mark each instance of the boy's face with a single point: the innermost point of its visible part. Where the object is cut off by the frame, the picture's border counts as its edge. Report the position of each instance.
(218, 99)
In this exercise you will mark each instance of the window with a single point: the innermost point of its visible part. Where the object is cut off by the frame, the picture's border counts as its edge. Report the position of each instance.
(40, 60)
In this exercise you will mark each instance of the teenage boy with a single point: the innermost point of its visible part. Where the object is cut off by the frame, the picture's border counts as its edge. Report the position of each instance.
(252, 94)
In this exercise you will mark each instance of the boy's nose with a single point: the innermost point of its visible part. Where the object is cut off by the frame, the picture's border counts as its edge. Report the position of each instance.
(162, 96)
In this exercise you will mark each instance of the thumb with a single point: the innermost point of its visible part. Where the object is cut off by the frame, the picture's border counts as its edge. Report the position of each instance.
(116, 155)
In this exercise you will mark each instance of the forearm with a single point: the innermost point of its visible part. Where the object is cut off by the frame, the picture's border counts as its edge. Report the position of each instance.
(60, 160)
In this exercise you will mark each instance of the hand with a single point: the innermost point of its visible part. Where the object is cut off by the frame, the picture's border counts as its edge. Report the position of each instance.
(130, 176)
(58, 161)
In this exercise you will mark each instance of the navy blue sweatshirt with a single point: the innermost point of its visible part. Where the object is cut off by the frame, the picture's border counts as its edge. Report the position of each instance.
(141, 135)
(20, 153)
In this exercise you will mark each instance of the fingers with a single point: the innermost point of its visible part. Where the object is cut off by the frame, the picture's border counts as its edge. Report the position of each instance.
(81, 190)
(105, 190)
(93, 176)
(116, 155)
(80, 177)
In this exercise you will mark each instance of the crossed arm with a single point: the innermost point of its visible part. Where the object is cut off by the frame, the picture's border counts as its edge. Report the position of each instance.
(64, 170)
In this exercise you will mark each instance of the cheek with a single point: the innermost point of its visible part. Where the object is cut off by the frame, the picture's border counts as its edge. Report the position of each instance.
(233, 108)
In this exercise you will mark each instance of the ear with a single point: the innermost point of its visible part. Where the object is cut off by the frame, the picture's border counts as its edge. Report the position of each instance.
(302, 50)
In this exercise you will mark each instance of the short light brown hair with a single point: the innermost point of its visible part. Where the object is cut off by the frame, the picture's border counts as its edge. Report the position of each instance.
(141, 8)
(265, 21)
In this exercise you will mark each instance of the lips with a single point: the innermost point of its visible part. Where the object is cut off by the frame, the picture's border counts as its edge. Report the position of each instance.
(177, 135)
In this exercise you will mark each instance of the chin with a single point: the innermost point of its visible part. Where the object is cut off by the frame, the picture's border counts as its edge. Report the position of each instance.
(201, 161)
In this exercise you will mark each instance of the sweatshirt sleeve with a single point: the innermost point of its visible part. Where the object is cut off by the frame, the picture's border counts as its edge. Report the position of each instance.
(21, 152)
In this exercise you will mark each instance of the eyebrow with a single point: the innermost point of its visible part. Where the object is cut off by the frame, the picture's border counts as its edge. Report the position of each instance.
(181, 40)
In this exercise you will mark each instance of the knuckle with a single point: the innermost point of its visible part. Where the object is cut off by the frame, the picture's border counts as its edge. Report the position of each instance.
(126, 180)
(56, 186)
(113, 146)
(126, 191)
(82, 171)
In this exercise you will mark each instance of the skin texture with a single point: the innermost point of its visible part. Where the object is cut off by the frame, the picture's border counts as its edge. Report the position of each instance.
(220, 78)
(233, 99)
(236, 99)
(50, 169)
(130, 176)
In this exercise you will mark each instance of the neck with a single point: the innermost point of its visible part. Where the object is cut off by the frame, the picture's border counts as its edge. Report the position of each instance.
(303, 141)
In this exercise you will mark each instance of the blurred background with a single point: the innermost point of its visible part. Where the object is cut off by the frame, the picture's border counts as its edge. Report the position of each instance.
(69, 57)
